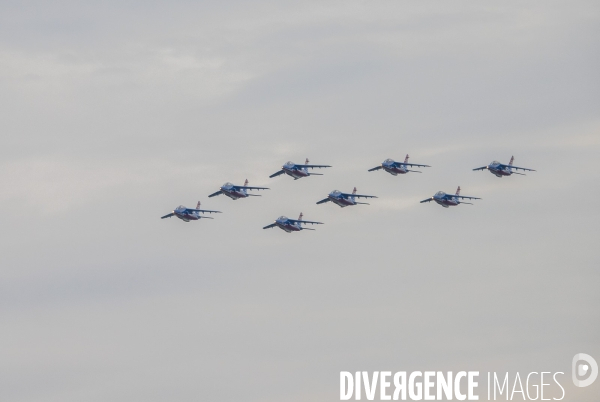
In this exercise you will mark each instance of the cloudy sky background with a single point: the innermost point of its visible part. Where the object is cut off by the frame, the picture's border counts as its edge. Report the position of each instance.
(113, 113)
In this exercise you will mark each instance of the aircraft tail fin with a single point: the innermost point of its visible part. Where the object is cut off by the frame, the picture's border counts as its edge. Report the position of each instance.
(458, 191)
(246, 183)
(354, 191)
(306, 161)
(300, 217)
(512, 159)
(198, 205)
(406, 159)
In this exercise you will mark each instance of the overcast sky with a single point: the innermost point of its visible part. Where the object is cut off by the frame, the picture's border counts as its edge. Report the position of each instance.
(113, 113)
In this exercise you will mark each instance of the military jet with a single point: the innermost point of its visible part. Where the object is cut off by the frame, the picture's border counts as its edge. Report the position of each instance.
(396, 168)
(298, 171)
(449, 200)
(291, 225)
(234, 192)
(189, 214)
(344, 199)
(500, 169)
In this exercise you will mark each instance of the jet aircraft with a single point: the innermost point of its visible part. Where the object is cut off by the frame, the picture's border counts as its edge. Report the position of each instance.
(234, 192)
(344, 199)
(298, 171)
(291, 225)
(189, 214)
(395, 168)
(449, 200)
(500, 169)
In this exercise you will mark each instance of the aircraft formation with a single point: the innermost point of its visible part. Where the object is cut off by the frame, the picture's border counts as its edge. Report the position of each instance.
(298, 171)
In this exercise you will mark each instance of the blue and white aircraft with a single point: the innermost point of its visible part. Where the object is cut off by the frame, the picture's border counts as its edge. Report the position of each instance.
(189, 214)
(234, 192)
(291, 225)
(344, 199)
(396, 168)
(500, 169)
(449, 200)
(298, 171)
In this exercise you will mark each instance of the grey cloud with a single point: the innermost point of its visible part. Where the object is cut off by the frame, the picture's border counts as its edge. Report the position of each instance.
(115, 113)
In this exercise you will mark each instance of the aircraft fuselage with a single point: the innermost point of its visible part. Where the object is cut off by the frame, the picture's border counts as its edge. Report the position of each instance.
(296, 173)
(498, 171)
(341, 201)
(394, 170)
(288, 227)
(234, 194)
(447, 202)
(186, 217)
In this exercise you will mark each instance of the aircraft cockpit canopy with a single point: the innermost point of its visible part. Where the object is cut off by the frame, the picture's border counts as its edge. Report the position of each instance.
(388, 161)
(440, 194)
(181, 208)
(282, 218)
(336, 193)
(289, 164)
(227, 185)
(495, 163)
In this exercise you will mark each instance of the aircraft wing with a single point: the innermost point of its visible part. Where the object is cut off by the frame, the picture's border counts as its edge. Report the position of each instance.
(323, 201)
(481, 168)
(214, 194)
(272, 225)
(359, 195)
(427, 200)
(277, 174)
(167, 216)
(252, 188)
(462, 196)
(516, 167)
(314, 166)
(410, 164)
(311, 222)
(204, 210)
(375, 168)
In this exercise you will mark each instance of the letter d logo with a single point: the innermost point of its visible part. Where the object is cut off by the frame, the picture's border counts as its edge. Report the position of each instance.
(586, 364)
